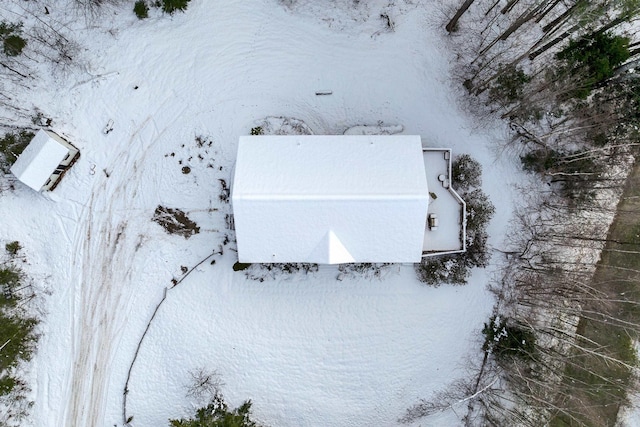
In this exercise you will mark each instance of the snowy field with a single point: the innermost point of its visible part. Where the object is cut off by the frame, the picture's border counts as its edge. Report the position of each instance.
(308, 350)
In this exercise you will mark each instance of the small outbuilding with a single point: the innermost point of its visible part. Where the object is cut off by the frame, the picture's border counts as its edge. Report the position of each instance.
(44, 161)
(330, 199)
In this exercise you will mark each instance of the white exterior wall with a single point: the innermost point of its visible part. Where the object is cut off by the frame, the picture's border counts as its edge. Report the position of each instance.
(330, 199)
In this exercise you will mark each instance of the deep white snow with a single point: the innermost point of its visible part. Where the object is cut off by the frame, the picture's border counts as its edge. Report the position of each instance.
(307, 350)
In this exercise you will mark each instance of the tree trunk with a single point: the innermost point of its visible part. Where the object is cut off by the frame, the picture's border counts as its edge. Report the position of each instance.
(522, 19)
(452, 26)
(491, 8)
(13, 70)
(549, 9)
(619, 20)
(533, 55)
(509, 6)
(562, 18)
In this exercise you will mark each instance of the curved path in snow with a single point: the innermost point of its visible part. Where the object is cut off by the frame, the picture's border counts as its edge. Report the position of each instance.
(105, 247)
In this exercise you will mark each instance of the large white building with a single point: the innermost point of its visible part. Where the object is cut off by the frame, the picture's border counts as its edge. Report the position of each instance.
(44, 161)
(330, 199)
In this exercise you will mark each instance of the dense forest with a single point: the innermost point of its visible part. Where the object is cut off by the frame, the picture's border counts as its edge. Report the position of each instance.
(560, 348)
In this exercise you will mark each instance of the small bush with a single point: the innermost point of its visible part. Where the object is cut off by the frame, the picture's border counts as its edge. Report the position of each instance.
(13, 45)
(466, 172)
(218, 414)
(239, 266)
(170, 6)
(9, 276)
(261, 272)
(503, 339)
(476, 254)
(509, 85)
(257, 130)
(11, 146)
(204, 384)
(366, 270)
(12, 42)
(13, 248)
(454, 269)
(480, 210)
(539, 160)
(443, 269)
(225, 191)
(7, 384)
(9, 281)
(175, 221)
(141, 9)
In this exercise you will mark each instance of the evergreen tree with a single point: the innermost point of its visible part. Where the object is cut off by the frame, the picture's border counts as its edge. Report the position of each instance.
(594, 56)
(217, 414)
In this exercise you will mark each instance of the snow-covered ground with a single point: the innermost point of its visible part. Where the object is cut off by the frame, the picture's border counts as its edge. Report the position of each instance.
(308, 350)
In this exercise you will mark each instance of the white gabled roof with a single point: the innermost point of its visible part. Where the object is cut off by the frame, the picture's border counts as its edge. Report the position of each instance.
(330, 199)
(38, 161)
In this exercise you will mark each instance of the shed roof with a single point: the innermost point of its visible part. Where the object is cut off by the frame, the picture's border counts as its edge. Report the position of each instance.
(39, 160)
(330, 199)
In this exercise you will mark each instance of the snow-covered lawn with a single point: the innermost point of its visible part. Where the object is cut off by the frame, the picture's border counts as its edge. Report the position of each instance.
(307, 349)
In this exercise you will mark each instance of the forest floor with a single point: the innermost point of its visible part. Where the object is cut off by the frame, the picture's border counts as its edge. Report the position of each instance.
(616, 278)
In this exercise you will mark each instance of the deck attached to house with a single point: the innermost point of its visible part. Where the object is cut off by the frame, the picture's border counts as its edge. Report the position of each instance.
(445, 204)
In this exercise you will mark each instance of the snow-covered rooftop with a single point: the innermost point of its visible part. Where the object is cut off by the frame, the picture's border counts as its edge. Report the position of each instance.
(330, 199)
(39, 160)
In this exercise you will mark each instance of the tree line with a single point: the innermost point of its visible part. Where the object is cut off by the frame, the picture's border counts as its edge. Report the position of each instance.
(558, 349)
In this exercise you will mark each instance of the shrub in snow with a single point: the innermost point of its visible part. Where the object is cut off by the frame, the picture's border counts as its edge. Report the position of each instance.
(240, 266)
(480, 210)
(141, 9)
(13, 45)
(218, 414)
(9, 281)
(466, 172)
(205, 385)
(442, 269)
(282, 125)
(363, 269)
(11, 146)
(13, 248)
(225, 191)
(170, 6)
(175, 221)
(504, 339)
(509, 86)
(261, 272)
(12, 42)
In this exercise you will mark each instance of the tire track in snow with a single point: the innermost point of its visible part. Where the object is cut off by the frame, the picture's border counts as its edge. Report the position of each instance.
(96, 248)
(105, 253)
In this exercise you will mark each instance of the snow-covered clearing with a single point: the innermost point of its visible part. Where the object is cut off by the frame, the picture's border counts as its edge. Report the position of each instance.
(308, 350)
